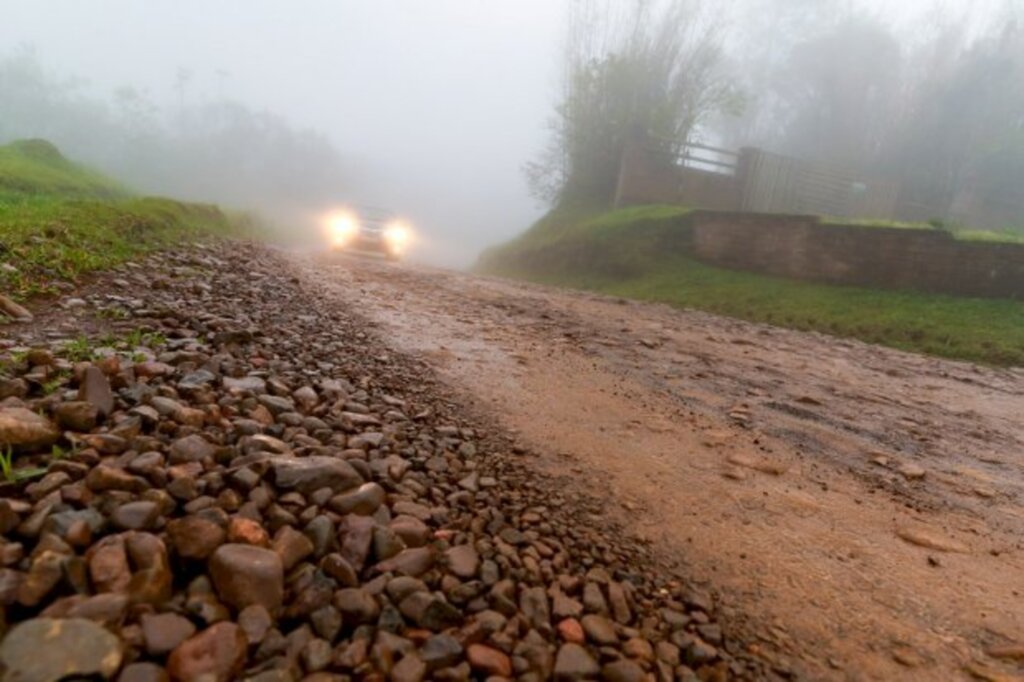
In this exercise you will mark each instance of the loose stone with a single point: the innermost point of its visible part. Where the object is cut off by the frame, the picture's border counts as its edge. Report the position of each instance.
(50, 649)
(246, 575)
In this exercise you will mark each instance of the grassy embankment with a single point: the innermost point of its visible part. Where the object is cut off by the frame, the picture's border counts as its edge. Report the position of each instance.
(59, 220)
(640, 253)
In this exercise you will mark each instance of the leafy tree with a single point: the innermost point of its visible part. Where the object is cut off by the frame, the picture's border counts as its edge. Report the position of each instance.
(646, 65)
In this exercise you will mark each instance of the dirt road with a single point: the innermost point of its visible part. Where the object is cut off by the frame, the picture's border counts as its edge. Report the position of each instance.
(856, 509)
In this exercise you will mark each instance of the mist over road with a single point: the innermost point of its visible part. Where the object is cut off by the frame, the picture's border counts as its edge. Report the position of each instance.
(856, 508)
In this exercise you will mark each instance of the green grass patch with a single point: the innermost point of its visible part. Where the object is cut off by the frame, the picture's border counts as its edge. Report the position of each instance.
(620, 242)
(1006, 237)
(990, 331)
(36, 167)
(629, 216)
(877, 222)
(583, 222)
(59, 220)
(50, 239)
(650, 261)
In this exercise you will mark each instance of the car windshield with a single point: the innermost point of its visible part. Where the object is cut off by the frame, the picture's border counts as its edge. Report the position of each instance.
(374, 214)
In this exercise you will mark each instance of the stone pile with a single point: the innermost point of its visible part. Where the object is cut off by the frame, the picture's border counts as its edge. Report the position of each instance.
(237, 480)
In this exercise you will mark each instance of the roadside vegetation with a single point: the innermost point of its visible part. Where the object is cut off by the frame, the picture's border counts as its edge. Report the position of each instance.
(641, 253)
(876, 222)
(59, 220)
(662, 72)
(1008, 235)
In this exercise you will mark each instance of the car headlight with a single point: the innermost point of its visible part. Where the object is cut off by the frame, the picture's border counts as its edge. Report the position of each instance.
(397, 235)
(342, 227)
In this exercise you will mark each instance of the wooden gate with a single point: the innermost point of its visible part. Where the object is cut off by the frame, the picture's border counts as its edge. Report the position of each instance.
(773, 183)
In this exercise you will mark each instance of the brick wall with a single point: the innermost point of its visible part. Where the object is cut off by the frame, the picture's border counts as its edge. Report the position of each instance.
(890, 258)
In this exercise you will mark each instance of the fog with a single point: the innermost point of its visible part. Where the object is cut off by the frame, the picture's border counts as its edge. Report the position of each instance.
(433, 106)
(431, 109)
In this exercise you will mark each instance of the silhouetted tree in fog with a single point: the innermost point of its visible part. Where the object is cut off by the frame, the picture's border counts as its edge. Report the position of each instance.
(648, 65)
(842, 89)
(937, 106)
(965, 138)
(214, 151)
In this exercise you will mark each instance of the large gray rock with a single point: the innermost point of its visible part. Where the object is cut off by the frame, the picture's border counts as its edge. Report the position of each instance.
(51, 649)
(276, 404)
(95, 389)
(192, 448)
(309, 474)
(248, 383)
(196, 380)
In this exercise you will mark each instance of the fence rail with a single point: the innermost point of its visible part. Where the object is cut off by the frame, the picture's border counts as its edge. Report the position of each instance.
(696, 155)
(750, 179)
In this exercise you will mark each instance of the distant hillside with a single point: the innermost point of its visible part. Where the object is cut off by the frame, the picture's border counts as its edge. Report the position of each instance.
(59, 220)
(36, 167)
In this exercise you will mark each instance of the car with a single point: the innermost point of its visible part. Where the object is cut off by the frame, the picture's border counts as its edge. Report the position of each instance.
(368, 229)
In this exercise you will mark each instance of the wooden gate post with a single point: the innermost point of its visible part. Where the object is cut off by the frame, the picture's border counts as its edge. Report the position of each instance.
(746, 171)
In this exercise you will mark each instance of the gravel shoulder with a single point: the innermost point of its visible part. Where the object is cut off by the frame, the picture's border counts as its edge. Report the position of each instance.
(237, 476)
(855, 509)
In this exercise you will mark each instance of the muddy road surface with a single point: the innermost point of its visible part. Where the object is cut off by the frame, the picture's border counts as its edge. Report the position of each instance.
(856, 509)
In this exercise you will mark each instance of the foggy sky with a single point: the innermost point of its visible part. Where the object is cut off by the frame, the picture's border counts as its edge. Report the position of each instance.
(438, 103)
